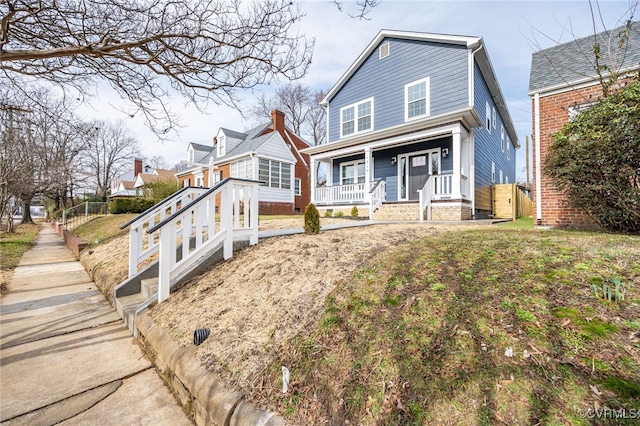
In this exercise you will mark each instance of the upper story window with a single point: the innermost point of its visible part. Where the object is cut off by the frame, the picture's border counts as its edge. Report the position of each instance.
(416, 97)
(192, 155)
(493, 117)
(487, 121)
(222, 145)
(356, 118)
(502, 142)
(384, 50)
(576, 109)
(508, 148)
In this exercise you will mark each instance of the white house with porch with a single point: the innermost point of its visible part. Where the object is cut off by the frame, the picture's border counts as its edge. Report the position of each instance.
(417, 128)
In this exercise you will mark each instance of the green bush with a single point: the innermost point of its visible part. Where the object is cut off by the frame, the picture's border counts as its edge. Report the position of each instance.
(311, 220)
(354, 212)
(327, 213)
(129, 205)
(339, 214)
(595, 160)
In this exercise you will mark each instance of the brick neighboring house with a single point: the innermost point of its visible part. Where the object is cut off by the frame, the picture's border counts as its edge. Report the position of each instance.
(131, 182)
(563, 82)
(269, 153)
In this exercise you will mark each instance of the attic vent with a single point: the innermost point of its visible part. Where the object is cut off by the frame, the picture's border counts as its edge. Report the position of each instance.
(384, 50)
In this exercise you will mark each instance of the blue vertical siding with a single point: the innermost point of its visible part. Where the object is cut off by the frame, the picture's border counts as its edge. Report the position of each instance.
(384, 80)
(487, 147)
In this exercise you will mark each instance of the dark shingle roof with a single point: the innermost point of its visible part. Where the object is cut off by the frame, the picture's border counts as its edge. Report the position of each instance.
(233, 134)
(574, 61)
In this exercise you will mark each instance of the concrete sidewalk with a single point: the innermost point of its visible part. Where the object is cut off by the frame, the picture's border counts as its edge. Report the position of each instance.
(65, 355)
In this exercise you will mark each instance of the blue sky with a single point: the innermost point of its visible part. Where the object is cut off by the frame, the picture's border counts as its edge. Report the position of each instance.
(512, 31)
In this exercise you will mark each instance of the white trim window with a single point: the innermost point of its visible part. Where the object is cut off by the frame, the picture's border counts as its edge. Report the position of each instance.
(493, 172)
(487, 113)
(199, 179)
(242, 169)
(508, 148)
(416, 99)
(502, 138)
(192, 155)
(501, 177)
(493, 116)
(356, 118)
(352, 172)
(274, 174)
(186, 182)
(222, 145)
(297, 186)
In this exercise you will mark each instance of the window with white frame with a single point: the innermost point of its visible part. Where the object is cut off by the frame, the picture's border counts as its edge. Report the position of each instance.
(506, 179)
(222, 145)
(186, 183)
(385, 49)
(192, 155)
(274, 174)
(298, 186)
(576, 109)
(217, 177)
(493, 117)
(487, 113)
(352, 172)
(356, 118)
(416, 99)
(502, 138)
(508, 148)
(493, 172)
(242, 169)
(199, 179)
(501, 177)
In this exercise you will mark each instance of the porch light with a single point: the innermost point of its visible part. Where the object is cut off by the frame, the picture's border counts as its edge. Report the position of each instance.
(393, 160)
(445, 152)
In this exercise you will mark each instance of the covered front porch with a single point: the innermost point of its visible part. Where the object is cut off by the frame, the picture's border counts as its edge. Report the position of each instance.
(432, 168)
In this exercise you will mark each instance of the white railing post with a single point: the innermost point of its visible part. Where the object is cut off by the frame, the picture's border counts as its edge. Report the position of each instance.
(255, 204)
(164, 262)
(226, 220)
(86, 208)
(134, 237)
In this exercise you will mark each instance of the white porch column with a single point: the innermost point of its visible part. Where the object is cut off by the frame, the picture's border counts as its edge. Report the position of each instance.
(457, 156)
(367, 174)
(329, 173)
(314, 179)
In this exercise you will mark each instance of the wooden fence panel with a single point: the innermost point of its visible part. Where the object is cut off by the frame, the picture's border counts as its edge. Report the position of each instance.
(510, 202)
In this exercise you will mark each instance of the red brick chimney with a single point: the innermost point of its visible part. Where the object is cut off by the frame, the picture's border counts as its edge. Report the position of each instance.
(278, 120)
(215, 140)
(137, 166)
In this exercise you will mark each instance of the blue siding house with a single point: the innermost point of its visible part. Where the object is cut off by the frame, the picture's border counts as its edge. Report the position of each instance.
(417, 128)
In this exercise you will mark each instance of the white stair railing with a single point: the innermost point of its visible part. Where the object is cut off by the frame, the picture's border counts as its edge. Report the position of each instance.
(436, 185)
(378, 195)
(199, 230)
(141, 248)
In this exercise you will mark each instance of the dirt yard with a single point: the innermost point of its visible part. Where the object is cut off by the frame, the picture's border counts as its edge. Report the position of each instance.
(270, 292)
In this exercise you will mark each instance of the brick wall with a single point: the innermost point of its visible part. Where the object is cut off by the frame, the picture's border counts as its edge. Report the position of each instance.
(450, 211)
(270, 208)
(554, 113)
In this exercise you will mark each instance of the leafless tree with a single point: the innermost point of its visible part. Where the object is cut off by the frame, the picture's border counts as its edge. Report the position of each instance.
(40, 144)
(111, 147)
(205, 49)
(362, 9)
(302, 109)
(158, 162)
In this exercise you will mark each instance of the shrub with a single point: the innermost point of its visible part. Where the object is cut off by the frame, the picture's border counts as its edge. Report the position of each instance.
(311, 220)
(129, 205)
(595, 160)
(354, 212)
(327, 213)
(339, 214)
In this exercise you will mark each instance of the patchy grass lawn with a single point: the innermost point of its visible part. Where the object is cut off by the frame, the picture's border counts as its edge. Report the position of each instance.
(12, 247)
(497, 325)
(103, 228)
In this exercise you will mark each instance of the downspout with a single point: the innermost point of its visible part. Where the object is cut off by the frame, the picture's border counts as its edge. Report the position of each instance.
(472, 139)
(536, 109)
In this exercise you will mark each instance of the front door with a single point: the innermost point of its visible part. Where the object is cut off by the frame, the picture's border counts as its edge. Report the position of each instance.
(413, 172)
(418, 173)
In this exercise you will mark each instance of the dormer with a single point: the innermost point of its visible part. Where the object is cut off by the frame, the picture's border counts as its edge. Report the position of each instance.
(227, 140)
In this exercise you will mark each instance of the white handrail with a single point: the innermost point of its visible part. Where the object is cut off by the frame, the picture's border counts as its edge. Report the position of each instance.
(436, 185)
(196, 228)
(378, 196)
(140, 249)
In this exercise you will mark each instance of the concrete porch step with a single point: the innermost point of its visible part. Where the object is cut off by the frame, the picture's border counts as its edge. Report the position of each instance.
(126, 307)
(149, 287)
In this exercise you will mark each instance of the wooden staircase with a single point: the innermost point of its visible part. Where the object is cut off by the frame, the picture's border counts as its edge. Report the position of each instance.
(187, 233)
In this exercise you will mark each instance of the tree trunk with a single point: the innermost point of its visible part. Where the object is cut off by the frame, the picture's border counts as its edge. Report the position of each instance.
(26, 212)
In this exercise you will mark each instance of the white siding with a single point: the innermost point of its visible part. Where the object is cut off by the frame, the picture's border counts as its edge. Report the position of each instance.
(275, 148)
(276, 194)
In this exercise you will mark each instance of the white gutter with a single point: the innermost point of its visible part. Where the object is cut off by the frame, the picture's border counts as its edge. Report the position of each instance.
(536, 109)
(471, 79)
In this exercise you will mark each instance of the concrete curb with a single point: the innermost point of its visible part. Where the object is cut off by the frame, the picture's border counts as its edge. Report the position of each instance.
(210, 401)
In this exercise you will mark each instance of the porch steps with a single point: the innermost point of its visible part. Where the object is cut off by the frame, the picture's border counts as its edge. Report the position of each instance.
(398, 211)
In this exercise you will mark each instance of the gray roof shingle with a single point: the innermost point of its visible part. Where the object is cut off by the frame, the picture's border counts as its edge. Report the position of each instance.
(574, 61)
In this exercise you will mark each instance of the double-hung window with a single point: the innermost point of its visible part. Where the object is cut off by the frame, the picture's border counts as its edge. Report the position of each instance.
(356, 118)
(242, 169)
(352, 172)
(502, 138)
(274, 174)
(416, 98)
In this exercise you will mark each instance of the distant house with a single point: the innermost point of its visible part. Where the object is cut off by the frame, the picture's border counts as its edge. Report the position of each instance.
(132, 182)
(417, 126)
(562, 83)
(269, 153)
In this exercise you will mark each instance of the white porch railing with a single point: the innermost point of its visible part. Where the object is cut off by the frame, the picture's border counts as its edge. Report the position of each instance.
(378, 196)
(141, 248)
(354, 192)
(198, 229)
(436, 185)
